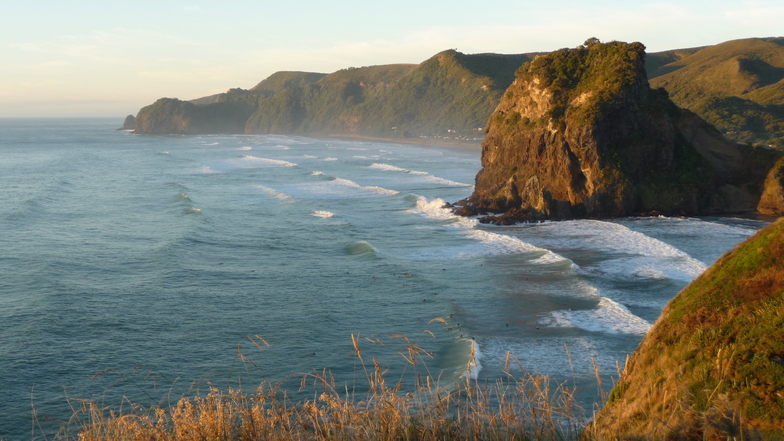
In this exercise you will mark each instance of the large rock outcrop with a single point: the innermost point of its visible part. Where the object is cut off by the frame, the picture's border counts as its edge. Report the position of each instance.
(580, 134)
(129, 123)
(712, 367)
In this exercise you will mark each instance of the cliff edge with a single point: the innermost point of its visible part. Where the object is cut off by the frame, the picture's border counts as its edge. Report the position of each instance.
(712, 367)
(581, 134)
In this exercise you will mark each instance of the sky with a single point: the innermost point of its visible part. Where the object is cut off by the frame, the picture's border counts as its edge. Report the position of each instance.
(98, 58)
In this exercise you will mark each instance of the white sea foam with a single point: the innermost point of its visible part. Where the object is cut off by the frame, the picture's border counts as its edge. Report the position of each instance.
(429, 177)
(164, 153)
(323, 214)
(474, 363)
(192, 210)
(282, 147)
(434, 209)
(442, 181)
(547, 355)
(274, 193)
(206, 169)
(642, 256)
(501, 244)
(255, 161)
(330, 159)
(489, 243)
(388, 167)
(352, 184)
(316, 173)
(246, 148)
(608, 317)
(310, 156)
(214, 143)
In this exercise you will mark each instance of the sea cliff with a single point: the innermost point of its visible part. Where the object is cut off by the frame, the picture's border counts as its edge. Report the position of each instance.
(581, 134)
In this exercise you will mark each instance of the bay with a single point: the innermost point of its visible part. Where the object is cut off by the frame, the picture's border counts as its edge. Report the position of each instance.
(153, 266)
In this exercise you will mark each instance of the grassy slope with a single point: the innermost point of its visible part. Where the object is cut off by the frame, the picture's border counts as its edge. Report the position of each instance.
(736, 86)
(450, 91)
(285, 79)
(713, 365)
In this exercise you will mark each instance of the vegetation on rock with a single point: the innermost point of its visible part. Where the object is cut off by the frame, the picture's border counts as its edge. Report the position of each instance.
(581, 134)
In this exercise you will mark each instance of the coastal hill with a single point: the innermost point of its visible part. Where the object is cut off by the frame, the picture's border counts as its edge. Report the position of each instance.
(738, 86)
(712, 367)
(448, 95)
(580, 133)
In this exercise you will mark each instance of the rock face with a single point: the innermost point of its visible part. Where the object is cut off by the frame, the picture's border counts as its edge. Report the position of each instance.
(580, 133)
(712, 367)
(772, 201)
(129, 123)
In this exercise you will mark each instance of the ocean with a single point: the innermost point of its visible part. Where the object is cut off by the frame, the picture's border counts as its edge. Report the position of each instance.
(150, 267)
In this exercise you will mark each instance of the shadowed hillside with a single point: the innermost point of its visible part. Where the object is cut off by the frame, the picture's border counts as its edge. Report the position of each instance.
(450, 95)
(737, 86)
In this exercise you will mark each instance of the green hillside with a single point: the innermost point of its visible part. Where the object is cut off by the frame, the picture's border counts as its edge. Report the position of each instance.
(738, 86)
(279, 81)
(450, 95)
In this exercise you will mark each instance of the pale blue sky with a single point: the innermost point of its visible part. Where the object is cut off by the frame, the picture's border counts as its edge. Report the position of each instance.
(99, 58)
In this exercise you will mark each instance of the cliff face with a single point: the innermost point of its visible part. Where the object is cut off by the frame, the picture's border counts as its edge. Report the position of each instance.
(772, 201)
(580, 133)
(712, 367)
(172, 116)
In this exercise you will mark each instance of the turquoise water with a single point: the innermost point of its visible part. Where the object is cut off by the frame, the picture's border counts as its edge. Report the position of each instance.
(151, 260)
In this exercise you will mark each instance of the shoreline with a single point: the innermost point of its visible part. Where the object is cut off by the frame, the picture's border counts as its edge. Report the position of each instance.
(425, 142)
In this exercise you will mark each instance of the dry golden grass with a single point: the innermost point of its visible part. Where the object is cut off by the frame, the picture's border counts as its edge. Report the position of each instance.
(515, 408)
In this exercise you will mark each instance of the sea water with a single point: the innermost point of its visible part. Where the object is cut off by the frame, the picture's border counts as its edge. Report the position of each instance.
(150, 267)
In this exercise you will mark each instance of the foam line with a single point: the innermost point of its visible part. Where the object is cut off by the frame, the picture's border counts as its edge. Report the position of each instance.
(493, 243)
(429, 177)
(352, 184)
(646, 257)
(323, 214)
(608, 317)
(265, 161)
(274, 193)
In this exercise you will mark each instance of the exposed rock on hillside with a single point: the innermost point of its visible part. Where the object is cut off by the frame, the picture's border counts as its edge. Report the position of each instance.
(772, 201)
(581, 134)
(712, 367)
